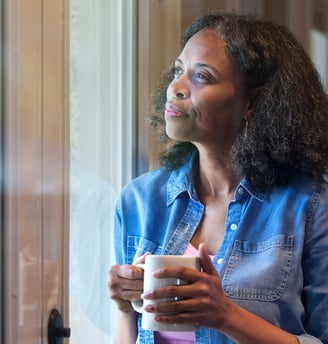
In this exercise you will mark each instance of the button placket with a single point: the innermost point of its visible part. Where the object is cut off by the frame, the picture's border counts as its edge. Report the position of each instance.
(233, 215)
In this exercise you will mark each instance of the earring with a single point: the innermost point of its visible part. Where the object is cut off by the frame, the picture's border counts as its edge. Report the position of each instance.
(246, 128)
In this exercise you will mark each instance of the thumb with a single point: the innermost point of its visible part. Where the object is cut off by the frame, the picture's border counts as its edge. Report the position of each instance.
(205, 260)
(141, 259)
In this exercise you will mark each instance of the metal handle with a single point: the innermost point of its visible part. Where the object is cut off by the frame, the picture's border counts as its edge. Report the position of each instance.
(56, 330)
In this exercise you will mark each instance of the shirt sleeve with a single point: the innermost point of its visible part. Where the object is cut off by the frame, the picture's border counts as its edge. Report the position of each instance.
(307, 339)
(315, 269)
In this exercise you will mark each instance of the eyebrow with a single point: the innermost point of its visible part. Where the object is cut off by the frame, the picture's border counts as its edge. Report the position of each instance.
(199, 64)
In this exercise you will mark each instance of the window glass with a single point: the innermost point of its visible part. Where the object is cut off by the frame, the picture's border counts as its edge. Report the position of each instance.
(101, 131)
(319, 38)
(319, 53)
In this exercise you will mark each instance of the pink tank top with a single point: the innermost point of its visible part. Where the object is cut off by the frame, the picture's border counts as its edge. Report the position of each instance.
(167, 337)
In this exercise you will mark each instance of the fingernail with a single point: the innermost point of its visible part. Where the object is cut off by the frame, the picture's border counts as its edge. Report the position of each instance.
(146, 294)
(157, 273)
(149, 308)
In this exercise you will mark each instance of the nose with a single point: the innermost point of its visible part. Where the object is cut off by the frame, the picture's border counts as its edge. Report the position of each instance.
(178, 89)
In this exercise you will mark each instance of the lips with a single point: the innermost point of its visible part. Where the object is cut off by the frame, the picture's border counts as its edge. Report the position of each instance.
(172, 111)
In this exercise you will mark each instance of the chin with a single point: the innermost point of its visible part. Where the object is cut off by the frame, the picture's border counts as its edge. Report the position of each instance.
(177, 137)
(177, 133)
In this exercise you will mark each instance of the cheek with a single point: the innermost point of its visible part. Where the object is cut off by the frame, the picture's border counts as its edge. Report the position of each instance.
(226, 113)
(226, 103)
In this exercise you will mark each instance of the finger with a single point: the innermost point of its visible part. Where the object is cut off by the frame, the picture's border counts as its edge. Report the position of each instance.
(176, 305)
(124, 293)
(185, 311)
(171, 291)
(179, 272)
(180, 318)
(118, 283)
(128, 287)
(129, 272)
(141, 259)
(206, 261)
(122, 305)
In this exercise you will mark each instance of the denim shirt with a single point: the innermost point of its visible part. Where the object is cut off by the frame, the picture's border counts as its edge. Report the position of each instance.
(273, 259)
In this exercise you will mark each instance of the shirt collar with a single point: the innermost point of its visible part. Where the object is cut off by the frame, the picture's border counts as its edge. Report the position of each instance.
(182, 180)
(251, 190)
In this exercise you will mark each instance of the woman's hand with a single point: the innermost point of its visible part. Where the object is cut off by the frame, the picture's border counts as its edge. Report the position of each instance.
(201, 302)
(126, 284)
(204, 303)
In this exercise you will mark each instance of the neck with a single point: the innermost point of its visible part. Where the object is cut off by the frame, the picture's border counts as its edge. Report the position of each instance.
(214, 175)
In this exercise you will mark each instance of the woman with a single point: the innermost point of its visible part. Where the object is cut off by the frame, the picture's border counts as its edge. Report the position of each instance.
(241, 185)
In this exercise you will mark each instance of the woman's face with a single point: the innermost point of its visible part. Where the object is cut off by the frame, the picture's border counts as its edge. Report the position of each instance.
(205, 101)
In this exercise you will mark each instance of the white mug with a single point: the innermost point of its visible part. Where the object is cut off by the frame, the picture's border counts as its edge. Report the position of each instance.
(153, 263)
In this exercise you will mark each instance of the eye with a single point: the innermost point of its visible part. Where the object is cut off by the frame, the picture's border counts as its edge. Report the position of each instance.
(201, 76)
(177, 71)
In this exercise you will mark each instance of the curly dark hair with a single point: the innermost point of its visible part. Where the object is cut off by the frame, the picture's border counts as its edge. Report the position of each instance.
(288, 130)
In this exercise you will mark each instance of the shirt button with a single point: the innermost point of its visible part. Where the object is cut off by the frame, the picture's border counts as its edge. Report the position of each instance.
(219, 261)
(241, 191)
(233, 226)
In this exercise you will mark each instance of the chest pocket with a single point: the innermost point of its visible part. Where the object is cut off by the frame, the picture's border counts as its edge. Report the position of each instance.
(259, 271)
(137, 246)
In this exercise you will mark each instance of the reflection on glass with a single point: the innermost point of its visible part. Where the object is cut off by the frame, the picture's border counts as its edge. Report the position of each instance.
(95, 167)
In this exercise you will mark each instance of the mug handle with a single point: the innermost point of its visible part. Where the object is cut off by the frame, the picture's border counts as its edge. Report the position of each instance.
(138, 305)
